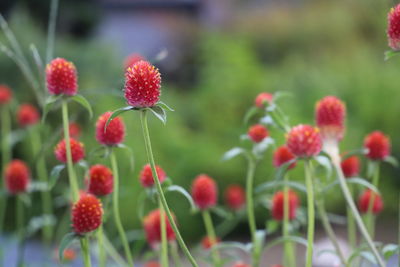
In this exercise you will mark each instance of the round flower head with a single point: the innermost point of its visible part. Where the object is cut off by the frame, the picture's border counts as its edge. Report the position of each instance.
(77, 151)
(87, 214)
(377, 145)
(132, 59)
(142, 85)
(16, 176)
(114, 133)
(235, 197)
(351, 166)
(393, 30)
(304, 141)
(366, 198)
(257, 133)
(207, 242)
(278, 205)
(27, 115)
(262, 99)
(100, 182)
(240, 264)
(61, 77)
(330, 113)
(152, 228)
(5, 94)
(74, 130)
(204, 191)
(283, 155)
(146, 176)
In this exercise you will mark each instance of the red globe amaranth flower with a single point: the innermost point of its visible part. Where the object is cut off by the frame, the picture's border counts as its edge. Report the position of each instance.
(235, 197)
(262, 99)
(204, 191)
(87, 214)
(351, 166)
(142, 85)
(152, 264)
(283, 155)
(100, 181)
(377, 145)
(27, 115)
(330, 113)
(278, 205)
(61, 77)
(257, 133)
(393, 30)
(132, 59)
(240, 264)
(77, 151)
(304, 141)
(5, 94)
(366, 198)
(152, 228)
(207, 242)
(74, 130)
(17, 176)
(146, 176)
(115, 132)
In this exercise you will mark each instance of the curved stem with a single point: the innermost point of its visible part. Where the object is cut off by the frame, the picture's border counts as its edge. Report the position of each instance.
(370, 218)
(351, 224)
(310, 212)
(143, 119)
(164, 240)
(5, 155)
(117, 217)
(211, 234)
(85, 252)
(102, 255)
(288, 255)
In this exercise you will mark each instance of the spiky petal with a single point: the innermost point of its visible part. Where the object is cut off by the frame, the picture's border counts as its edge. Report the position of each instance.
(278, 205)
(204, 191)
(304, 141)
(61, 77)
(77, 151)
(330, 113)
(146, 176)
(114, 134)
(366, 198)
(100, 180)
(17, 176)
(87, 214)
(393, 30)
(377, 145)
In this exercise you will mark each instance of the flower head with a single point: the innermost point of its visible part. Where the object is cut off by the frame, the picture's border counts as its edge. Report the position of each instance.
(114, 133)
(235, 197)
(5, 94)
(365, 199)
(152, 228)
(283, 155)
(351, 166)
(262, 99)
(377, 145)
(87, 214)
(393, 30)
(132, 59)
(142, 85)
(77, 151)
(257, 133)
(207, 242)
(27, 115)
(304, 141)
(146, 176)
(100, 180)
(74, 130)
(17, 176)
(278, 205)
(330, 113)
(204, 191)
(61, 77)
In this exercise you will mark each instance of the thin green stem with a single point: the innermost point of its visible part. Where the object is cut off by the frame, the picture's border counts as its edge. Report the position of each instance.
(310, 213)
(117, 217)
(86, 251)
(351, 224)
(164, 240)
(175, 255)
(113, 252)
(370, 218)
(100, 242)
(288, 255)
(211, 235)
(398, 247)
(143, 119)
(51, 30)
(5, 155)
(20, 228)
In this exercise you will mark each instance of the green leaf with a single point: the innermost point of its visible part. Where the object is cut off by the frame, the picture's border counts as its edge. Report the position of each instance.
(391, 53)
(221, 212)
(233, 153)
(392, 160)
(182, 191)
(16, 136)
(354, 180)
(65, 243)
(37, 223)
(389, 250)
(325, 162)
(55, 174)
(280, 172)
(164, 106)
(38, 187)
(160, 113)
(368, 256)
(260, 148)
(272, 226)
(250, 114)
(115, 113)
(268, 185)
(48, 105)
(83, 102)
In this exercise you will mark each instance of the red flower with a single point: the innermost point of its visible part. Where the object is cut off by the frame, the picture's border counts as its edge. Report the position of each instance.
(142, 85)
(378, 145)
(235, 197)
(204, 191)
(366, 198)
(257, 133)
(115, 132)
(146, 176)
(283, 155)
(152, 228)
(330, 113)
(100, 182)
(262, 99)
(16, 176)
(393, 31)
(304, 141)
(69, 255)
(207, 242)
(27, 115)
(152, 264)
(240, 264)
(132, 59)
(77, 151)
(61, 77)
(278, 205)
(74, 130)
(5, 94)
(351, 166)
(87, 214)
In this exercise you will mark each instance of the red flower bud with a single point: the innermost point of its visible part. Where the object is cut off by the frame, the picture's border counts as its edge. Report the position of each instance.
(61, 77)
(204, 191)
(74, 130)
(146, 176)
(235, 197)
(330, 113)
(262, 99)
(152, 228)
(351, 166)
(142, 85)
(304, 141)
(27, 115)
(132, 59)
(17, 176)
(366, 198)
(207, 242)
(283, 155)
(115, 132)
(378, 146)
(87, 214)
(278, 205)
(240, 264)
(5, 94)
(100, 180)
(77, 151)
(257, 133)
(393, 30)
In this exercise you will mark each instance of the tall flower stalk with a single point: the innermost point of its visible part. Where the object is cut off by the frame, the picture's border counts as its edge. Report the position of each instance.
(6, 156)
(288, 248)
(310, 213)
(211, 234)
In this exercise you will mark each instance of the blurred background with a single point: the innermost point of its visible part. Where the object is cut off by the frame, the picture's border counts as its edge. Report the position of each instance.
(221, 54)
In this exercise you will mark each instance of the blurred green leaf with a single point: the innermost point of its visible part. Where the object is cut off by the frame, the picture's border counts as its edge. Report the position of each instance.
(66, 241)
(182, 191)
(164, 106)
(48, 105)
(392, 161)
(391, 53)
(250, 114)
(37, 223)
(160, 113)
(80, 99)
(115, 113)
(55, 174)
(233, 153)
(389, 250)
(354, 180)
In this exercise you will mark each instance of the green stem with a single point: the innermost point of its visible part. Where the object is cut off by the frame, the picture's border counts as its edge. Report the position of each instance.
(398, 247)
(288, 255)
(351, 224)
(102, 255)
(6, 157)
(164, 240)
(370, 218)
(85, 251)
(117, 217)
(113, 252)
(51, 30)
(211, 235)
(143, 119)
(310, 213)
(175, 254)
(20, 229)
